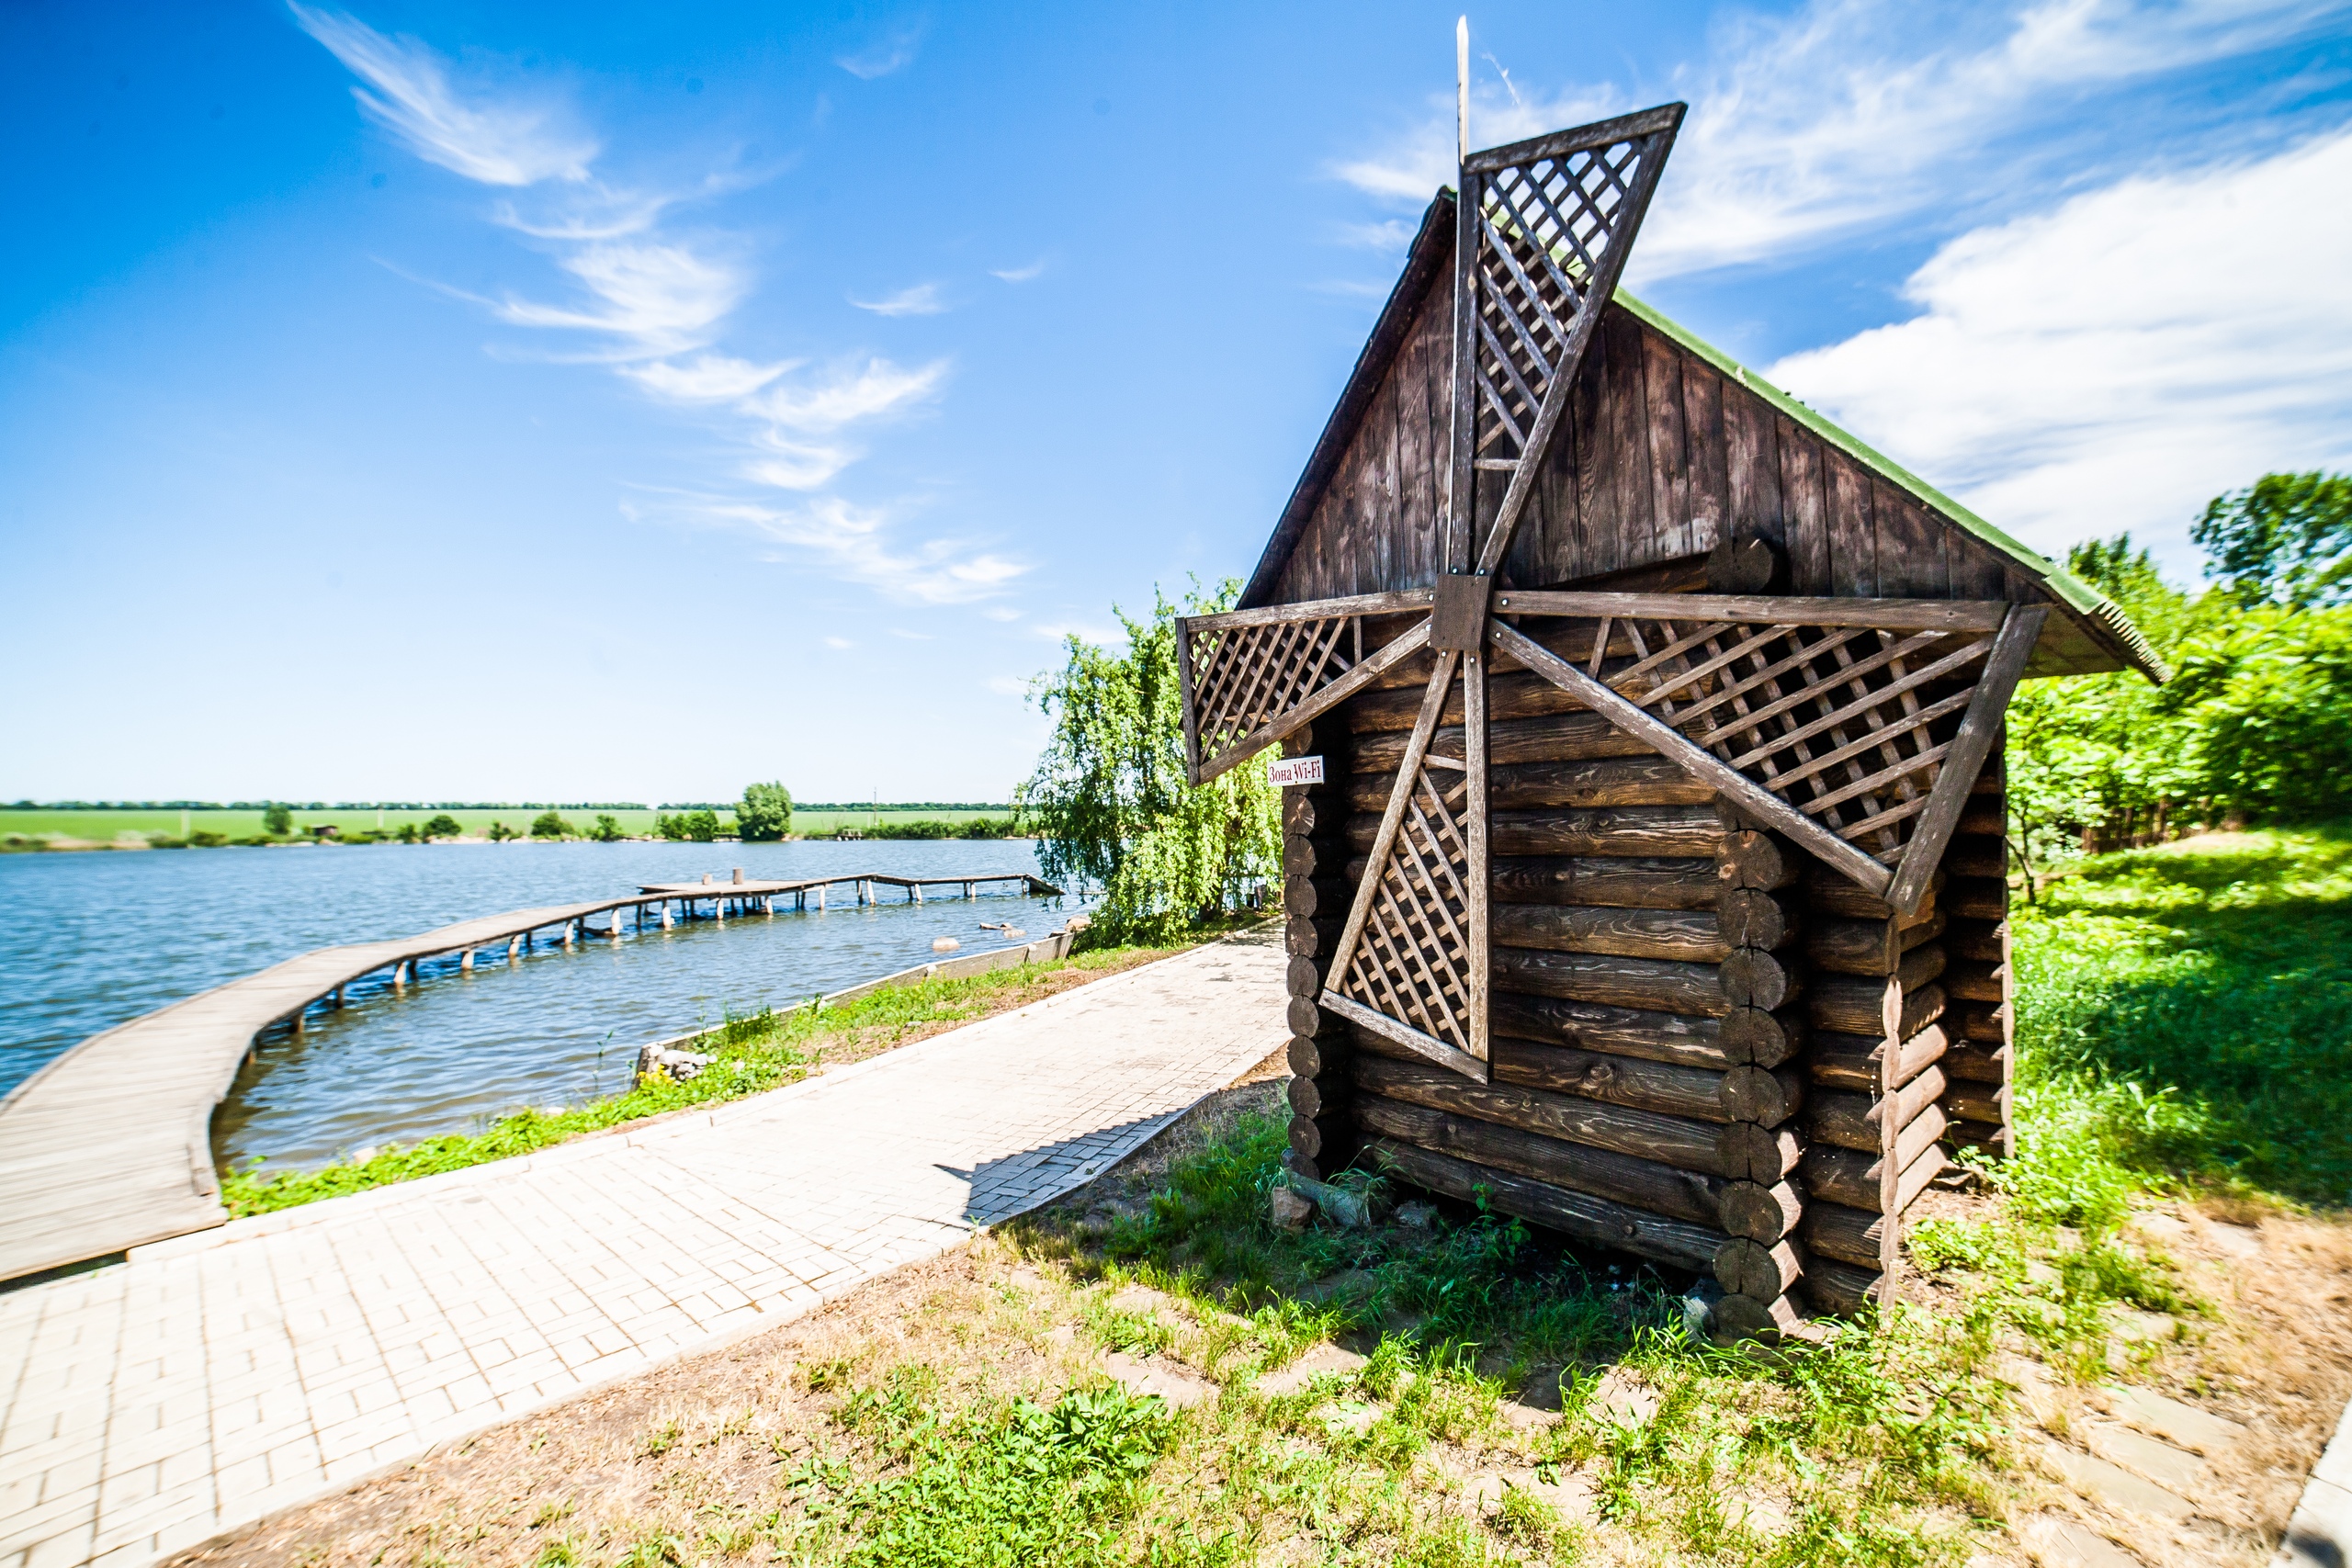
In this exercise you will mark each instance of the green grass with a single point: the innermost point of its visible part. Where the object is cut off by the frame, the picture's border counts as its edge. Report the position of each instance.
(103, 827)
(761, 1051)
(2185, 1020)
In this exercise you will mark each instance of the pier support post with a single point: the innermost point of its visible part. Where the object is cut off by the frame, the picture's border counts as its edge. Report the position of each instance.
(820, 897)
(399, 976)
(571, 933)
(666, 917)
(613, 922)
(718, 909)
(914, 890)
(468, 961)
(513, 946)
(301, 1015)
(338, 995)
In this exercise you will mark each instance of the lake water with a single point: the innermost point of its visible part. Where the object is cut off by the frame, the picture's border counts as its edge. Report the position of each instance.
(98, 937)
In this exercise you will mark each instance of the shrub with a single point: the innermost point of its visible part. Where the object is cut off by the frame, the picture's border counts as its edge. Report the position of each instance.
(206, 838)
(688, 827)
(278, 821)
(548, 825)
(608, 830)
(500, 832)
(443, 826)
(766, 814)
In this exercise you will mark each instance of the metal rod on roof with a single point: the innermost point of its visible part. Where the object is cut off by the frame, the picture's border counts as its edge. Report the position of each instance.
(1462, 90)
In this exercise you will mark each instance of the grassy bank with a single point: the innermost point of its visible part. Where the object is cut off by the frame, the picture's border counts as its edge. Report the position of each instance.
(2185, 1020)
(105, 827)
(762, 1050)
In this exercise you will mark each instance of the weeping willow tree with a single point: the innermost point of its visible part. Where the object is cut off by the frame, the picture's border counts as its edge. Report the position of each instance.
(1109, 802)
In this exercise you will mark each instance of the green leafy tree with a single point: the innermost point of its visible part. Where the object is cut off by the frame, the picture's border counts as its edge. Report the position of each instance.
(500, 832)
(689, 827)
(1109, 801)
(549, 825)
(278, 819)
(2286, 537)
(442, 826)
(766, 814)
(407, 833)
(608, 830)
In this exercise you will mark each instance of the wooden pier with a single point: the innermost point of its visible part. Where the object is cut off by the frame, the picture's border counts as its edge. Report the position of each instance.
(110, 1146)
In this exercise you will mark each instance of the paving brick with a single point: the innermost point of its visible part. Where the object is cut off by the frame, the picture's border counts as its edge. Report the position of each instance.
(212, 1384)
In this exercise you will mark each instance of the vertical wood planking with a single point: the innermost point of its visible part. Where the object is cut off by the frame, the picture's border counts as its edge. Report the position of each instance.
(1631, 526)
(1709, 496)
(1853, 535)
(1910, 548)
(1751, 466)
(1806, 504)
(1668, 448)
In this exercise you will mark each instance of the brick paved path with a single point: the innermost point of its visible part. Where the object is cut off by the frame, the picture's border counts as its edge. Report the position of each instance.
(218, 1377)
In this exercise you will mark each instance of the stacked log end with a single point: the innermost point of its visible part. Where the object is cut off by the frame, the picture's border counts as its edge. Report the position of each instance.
(1983, 994)
(1315, 900)
(1875, 1064)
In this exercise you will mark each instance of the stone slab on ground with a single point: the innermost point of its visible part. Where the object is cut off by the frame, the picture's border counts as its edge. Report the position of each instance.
(217, 1378)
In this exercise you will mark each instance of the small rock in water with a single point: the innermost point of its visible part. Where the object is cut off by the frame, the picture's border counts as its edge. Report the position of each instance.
(683, 1066)
(1011, 931)
(945, 945)
(1289, 1210)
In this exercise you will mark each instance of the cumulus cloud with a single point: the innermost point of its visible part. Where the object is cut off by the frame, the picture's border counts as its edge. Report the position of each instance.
(467, 131)
(1846, 114)
(922, 299)
(2083, 370)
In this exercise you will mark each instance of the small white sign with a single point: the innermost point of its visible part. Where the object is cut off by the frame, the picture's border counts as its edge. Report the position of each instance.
(1284, 771)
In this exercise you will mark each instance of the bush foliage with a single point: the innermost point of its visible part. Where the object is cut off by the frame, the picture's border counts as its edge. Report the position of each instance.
(1109, 801)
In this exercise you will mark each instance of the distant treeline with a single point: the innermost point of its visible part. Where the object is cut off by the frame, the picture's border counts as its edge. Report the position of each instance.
(334, 804)
(900, 806)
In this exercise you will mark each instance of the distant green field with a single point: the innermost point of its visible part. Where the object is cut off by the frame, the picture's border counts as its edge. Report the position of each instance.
(104, 826)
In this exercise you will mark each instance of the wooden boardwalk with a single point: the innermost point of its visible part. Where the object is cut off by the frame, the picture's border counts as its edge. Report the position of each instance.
(110, 1147)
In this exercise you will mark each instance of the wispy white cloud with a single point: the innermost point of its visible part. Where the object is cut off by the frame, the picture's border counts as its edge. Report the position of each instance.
(912, 637)
(651, 302)
(870, 391)
(1846, 114)
(469, 130)
(922, 299)
(839, 642)
(894, 52)
(707, 379)
(1001, 613)
(2084, 369)
(1018, 274)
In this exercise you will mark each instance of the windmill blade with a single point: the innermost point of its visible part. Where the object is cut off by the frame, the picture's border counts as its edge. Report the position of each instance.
(1249, 677)
(1856, 727)
(1543, 227)
(1411, 961)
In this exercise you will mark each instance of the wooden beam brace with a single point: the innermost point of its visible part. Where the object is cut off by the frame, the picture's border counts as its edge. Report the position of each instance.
(1700, 764)
(2003, 668)
(1886, 614)
(1433, 705)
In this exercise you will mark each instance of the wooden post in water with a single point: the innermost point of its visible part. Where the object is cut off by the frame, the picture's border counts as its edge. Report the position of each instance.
(571, 933)
(513, 946)
(399, 976)
(666, 914)
(467, 962)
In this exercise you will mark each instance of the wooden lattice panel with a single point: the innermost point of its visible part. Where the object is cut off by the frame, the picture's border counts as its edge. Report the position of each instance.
(1245, 676)
(1543, 227)
(1251, 677)
(1411, 961)
(1837, 721)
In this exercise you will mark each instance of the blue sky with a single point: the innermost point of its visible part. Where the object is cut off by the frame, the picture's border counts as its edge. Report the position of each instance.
(564, 401)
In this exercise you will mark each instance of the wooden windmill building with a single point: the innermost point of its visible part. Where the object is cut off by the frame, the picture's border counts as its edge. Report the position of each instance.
(1655, 884)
